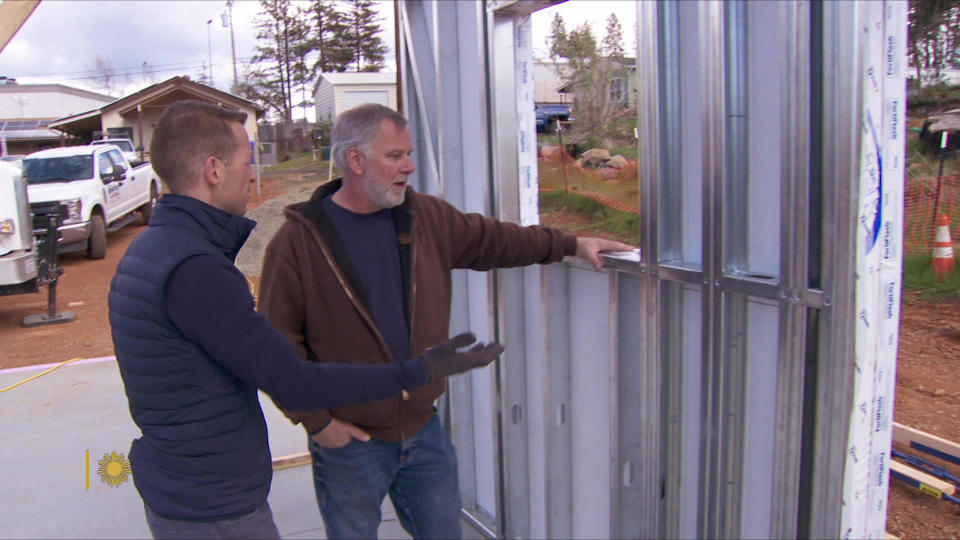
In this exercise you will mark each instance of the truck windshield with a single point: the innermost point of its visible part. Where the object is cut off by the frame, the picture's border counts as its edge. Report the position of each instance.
(59, 169)
(125, 146)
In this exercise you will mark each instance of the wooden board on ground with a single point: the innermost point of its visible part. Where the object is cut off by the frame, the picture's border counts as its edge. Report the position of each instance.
(908, 436)
(924, 478)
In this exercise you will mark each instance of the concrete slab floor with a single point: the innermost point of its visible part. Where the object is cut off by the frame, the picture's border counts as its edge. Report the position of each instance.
(55, 429)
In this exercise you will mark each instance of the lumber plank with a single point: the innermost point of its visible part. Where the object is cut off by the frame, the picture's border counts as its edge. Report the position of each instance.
(292, 460)
(907, 435)
(920, 476)
(12, 17)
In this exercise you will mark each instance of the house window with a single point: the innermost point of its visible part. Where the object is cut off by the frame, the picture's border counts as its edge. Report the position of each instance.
(618, 90)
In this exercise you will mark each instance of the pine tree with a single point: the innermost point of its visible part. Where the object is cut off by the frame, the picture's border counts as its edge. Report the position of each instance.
(328, 28)
(933, 35)
(612, 45)
(368, 50)
(589, 71)
(278, 56)
(300, 43)
(557, 40)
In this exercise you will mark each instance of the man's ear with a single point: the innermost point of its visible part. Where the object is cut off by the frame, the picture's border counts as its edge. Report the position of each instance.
(356, 161)
(212, 171)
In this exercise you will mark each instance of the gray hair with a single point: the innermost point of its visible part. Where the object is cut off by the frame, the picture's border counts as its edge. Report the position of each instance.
(358, 128)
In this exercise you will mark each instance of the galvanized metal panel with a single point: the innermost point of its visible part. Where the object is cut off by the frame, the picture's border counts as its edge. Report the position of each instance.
(841, 135)
(681, 340)
(647, 517)
(766, 52)
(590, 411)
(445, 101)
(759, 419)
(692, 136)
(513, 401)
(503, 117)
(537, 363)
(487, 451)
(633, 384)
(799, 207)
(558, 433)
(421, 99)
(725, 329)
(691, 411)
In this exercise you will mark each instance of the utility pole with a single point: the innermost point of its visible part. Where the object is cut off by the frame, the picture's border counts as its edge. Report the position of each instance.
(233, 48)
(209, 53)
(22, 100)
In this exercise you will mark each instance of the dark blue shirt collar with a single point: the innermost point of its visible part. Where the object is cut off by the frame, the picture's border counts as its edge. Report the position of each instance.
(225, 230)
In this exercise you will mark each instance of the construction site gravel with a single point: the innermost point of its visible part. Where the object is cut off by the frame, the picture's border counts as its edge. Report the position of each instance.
(927, 393)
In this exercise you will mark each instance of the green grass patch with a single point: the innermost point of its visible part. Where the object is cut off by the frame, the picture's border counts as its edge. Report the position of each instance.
(298, 160)
(622, 224)
(937, 95)
(918, 276)
(629, 152)
(547, 139)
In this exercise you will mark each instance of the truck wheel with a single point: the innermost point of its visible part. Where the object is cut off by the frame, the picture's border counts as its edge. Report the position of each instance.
(97, 244)
(147, 209)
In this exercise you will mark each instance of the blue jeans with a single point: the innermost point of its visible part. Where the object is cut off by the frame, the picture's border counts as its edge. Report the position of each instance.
(256, 524)
(420, 474)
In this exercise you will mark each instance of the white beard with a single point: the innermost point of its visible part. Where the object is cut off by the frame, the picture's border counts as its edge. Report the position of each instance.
(380, 195)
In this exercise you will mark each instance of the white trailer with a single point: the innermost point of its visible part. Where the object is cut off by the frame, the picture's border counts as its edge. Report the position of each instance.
(25, 263)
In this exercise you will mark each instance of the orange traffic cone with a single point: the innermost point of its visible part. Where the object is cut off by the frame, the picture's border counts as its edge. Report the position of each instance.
(942, 249)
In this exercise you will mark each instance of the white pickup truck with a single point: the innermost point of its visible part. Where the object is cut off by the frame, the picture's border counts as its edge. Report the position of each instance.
(99, 188)
(126, 148)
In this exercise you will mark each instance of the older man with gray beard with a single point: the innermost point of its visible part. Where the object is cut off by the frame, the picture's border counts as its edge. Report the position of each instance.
(362, 271)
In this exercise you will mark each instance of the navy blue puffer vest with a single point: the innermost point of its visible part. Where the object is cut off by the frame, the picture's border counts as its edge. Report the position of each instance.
(203, 455)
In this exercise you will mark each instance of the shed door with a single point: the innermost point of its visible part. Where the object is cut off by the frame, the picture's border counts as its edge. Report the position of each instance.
(352, 98)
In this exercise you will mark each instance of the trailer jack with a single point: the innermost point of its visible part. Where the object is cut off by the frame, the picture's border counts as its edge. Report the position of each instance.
(49, 273)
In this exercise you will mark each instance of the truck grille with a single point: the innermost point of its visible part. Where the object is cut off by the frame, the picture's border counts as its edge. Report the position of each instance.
(40, 210)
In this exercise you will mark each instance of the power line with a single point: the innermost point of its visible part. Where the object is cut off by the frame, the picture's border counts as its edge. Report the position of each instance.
(92, 73)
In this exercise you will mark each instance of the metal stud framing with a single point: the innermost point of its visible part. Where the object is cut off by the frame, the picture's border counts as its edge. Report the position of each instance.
(706, 390)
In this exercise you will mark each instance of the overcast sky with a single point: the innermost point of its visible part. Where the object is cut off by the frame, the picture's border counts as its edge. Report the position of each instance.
(61, 40)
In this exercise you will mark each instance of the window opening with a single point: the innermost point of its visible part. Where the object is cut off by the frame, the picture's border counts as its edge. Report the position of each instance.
(585, 76)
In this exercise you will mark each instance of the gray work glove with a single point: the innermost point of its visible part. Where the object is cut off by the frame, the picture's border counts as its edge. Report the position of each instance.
(443, 359)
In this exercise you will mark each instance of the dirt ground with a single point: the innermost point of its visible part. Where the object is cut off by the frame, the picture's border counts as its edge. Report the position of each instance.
(927, 395)
(928, 399)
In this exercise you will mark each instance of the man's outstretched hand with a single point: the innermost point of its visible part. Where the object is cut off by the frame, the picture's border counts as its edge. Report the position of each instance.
(444, 360)
(590, 248)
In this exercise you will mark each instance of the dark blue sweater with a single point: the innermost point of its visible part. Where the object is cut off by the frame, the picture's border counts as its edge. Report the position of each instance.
(375, 257)
(192, 352)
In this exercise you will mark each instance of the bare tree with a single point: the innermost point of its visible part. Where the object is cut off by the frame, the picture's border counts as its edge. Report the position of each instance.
(147, 73)
(594, 72)
(934, 36)
(104, 75)
(202, 75)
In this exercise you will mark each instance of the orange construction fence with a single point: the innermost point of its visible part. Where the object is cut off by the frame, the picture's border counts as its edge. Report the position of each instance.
(919, 200)
(618, 188)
